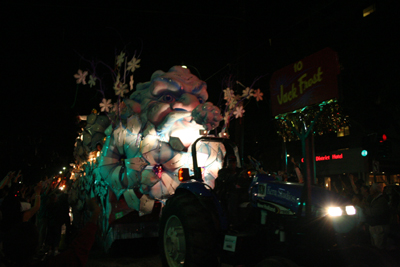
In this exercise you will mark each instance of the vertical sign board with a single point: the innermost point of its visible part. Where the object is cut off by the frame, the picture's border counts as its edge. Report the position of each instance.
(311, 80)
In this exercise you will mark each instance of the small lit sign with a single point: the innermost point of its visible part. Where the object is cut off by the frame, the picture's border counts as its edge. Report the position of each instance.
(327, 157)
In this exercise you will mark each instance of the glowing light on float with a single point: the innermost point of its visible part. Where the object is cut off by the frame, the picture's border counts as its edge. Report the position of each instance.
(201, 159)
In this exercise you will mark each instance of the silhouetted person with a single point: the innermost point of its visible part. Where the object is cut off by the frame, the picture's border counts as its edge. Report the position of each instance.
(377, 214)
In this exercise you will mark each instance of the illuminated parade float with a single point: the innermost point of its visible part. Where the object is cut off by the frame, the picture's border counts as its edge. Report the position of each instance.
(130, 153)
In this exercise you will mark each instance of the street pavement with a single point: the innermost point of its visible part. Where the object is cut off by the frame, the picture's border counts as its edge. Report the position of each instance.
(127, 253)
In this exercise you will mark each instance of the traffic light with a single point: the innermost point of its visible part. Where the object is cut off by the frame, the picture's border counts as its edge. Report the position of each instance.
(384, 146)
(369, 144)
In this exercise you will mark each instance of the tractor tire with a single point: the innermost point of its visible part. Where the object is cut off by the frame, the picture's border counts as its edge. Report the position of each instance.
(187, 235)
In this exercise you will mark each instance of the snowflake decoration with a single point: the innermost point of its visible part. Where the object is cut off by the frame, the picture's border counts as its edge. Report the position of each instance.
(258, 95)
(120, 88)
(247, 93)
(228, 94)
(120, 59)
(92, 81)
(106, 105)
(133, 64)
(81, 77)
(239, 112)
(232, 103)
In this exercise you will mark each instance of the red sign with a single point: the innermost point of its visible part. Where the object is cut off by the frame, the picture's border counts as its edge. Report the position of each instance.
(327, 157)
(306, 82)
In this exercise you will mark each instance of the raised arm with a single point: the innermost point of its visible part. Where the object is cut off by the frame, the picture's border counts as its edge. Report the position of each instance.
(5, 180)
(29, 213)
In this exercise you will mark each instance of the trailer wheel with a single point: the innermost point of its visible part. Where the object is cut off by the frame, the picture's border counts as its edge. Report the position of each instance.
(187, 233)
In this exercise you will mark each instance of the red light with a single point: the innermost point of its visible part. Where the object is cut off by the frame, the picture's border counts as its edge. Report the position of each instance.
(384, 137)
(180, 175)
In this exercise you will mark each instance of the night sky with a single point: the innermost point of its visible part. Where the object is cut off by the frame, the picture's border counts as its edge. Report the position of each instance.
(43, 46)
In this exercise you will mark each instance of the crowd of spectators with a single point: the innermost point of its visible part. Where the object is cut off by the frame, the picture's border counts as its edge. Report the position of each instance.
(377, 205)
(31, 223)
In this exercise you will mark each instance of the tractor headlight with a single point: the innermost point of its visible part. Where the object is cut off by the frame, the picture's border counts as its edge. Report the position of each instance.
(338, 211)
(350, 210)
(335, 211)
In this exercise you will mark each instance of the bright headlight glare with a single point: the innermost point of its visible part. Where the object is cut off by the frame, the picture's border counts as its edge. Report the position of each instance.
(350, 210)
(334, 211)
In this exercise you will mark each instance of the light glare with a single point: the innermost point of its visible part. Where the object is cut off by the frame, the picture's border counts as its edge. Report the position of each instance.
(334, 211)
(350, 210)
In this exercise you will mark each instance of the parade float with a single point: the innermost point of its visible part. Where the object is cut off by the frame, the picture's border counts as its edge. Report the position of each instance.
(129, 154)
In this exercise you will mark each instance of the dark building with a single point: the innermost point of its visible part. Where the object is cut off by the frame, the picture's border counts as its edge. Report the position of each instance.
(363, 33)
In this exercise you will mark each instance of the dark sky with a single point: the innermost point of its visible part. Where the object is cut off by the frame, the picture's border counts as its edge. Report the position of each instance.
(43, 46)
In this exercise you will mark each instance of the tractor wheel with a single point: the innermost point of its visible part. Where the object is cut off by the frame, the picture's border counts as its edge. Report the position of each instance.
(187, 234)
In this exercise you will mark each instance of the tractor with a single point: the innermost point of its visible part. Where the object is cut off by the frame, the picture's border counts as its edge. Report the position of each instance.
(278, 225)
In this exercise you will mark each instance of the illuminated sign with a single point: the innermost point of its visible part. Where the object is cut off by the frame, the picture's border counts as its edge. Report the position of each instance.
(327, 157)
(311, 80)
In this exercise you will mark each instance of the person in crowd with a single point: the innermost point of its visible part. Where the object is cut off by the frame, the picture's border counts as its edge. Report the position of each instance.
(377, 214)
(13, 212)
(361, 232)
(63, 216)
(364, 191)
(393, 194)
(257, 165)
(28, 214)
(279, 176)
(53, 224)
(20, 244)
(42, 215)
(226, 187)
(297, 171)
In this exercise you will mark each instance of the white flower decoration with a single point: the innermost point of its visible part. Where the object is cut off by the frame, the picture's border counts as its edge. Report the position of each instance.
(232, 103)
(239, 112)
(81, 77)
(133, 64)
(120, 59)
(228, 94)
(120, 88)
(106, 105)
(248, 93)
(92, 81)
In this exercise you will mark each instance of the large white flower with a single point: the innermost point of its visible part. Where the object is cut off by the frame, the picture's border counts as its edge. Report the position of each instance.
(133, 64)
(81, 77)
(120, 59)
(239, 112)
(106, 105)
